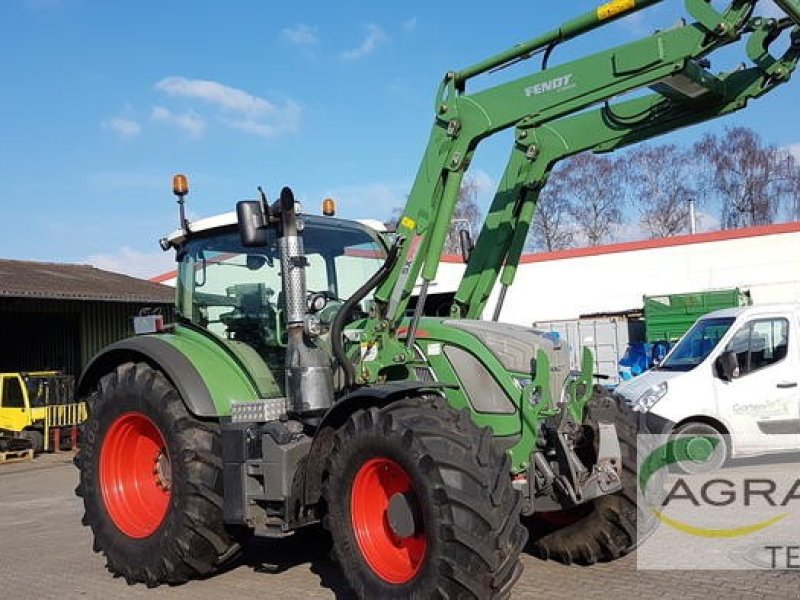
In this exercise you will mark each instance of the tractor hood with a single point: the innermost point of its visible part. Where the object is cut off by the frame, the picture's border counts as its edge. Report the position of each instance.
(513, 345)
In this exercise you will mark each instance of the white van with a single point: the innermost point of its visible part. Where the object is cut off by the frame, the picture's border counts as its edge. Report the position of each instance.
(736, 372)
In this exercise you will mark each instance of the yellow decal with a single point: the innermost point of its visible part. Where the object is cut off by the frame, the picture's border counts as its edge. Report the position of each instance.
(408, 223)
(614, 8)
(716, 533)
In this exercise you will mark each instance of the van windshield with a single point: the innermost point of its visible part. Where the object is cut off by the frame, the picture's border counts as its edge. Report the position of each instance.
(697, 344)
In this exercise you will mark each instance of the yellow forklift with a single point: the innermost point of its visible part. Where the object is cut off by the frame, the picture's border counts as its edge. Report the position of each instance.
(34, 404)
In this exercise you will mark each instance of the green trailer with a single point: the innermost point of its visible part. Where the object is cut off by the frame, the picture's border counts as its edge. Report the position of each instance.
(668, 317)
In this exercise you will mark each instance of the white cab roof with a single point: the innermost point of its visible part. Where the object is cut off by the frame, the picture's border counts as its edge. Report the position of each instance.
(229, 218)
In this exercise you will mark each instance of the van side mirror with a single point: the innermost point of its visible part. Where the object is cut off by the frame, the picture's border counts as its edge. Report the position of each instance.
(727, 366)
(465, 242)
(252, 223)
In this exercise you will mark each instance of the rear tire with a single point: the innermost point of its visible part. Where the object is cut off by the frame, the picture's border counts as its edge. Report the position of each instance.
(151, 481)
(466, 535)
(604, 529)
(36, 438)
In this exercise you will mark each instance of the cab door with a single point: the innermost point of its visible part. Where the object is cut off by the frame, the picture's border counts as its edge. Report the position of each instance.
(762, 403)
(13, 403)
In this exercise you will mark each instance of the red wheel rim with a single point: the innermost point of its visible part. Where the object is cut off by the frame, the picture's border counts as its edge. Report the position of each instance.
(135, 475)
(394, 559)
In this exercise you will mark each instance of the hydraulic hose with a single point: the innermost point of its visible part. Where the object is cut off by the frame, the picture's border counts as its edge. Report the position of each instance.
(337, 327)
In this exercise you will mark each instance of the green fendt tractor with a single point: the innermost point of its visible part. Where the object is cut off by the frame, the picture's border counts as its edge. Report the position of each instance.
(294, 389)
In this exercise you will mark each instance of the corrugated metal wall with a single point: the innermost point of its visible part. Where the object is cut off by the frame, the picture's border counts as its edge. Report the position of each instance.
(62, 334)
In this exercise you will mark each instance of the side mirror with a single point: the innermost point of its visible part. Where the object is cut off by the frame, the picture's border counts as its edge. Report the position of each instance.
(252, 223)
(727, 366)
(465, 241)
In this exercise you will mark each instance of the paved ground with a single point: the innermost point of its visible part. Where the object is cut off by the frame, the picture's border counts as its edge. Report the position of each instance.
(45, 553)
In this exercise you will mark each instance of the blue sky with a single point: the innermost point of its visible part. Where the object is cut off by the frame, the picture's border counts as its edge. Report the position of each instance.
(103, 101)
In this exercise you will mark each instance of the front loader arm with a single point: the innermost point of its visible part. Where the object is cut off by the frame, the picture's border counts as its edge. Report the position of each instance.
(528, 103)
(539, 148)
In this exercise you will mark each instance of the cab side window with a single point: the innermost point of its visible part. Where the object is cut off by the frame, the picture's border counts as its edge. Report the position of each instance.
(12, 393)
(760, 344)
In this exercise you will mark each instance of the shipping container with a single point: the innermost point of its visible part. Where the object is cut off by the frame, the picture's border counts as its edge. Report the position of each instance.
(606, 337)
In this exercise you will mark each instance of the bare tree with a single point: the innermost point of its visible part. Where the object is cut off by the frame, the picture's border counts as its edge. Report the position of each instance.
(752, 180)
(552, 227)
(660, 184)
(467, 216)
(592, 186)
(793, 170)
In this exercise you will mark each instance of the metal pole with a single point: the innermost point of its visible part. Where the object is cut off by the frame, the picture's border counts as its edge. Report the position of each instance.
(412, 328)
(692, 217)
(500, 301)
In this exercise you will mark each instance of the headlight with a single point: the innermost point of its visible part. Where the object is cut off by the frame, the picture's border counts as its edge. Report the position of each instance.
(650, 397)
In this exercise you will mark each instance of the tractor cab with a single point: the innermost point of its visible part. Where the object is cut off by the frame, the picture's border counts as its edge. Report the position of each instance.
(236, 293)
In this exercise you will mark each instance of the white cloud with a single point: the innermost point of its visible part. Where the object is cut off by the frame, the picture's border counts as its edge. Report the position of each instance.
(124, 128)
(190, 122)
(301, 35)
(285, 119)
(132, 262)
(375, 37)
(236, 108)
(410, 24)
(213, 92)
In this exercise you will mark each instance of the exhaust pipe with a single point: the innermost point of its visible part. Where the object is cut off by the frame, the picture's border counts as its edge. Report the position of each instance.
(309, 372)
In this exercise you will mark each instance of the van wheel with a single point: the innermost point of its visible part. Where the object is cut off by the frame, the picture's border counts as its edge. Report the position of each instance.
(702, 447)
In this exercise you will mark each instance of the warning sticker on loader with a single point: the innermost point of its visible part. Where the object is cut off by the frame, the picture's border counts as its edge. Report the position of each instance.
(369, 351)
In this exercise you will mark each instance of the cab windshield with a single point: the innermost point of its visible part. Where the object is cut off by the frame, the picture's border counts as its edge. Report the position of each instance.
(237, 294)
(697, 344)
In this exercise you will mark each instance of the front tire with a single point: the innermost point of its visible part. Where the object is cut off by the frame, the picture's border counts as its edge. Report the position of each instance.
(151, 480)
(420, 505)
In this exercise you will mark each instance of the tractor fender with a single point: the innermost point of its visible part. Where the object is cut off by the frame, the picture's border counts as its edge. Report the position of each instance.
(159, 354)
(364, 397)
